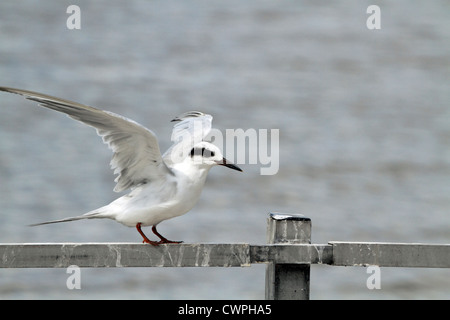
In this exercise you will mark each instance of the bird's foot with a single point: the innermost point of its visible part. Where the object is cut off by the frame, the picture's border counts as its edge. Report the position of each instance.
(164, 240)
(157, 243)
(153, 243)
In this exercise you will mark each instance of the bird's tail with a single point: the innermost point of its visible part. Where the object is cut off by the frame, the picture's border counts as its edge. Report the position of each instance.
(89, 215)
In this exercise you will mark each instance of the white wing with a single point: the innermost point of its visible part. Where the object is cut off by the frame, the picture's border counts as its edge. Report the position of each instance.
(137, 158)
(191, 128)
(195, 124)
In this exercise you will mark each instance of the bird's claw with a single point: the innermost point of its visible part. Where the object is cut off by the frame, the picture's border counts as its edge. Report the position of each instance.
(157, 243)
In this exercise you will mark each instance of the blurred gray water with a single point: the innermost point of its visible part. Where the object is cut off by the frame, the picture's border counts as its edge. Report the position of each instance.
(364, 121)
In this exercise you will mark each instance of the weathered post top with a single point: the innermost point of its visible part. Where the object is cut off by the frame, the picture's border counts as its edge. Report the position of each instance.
(288, 281)
(288, 228)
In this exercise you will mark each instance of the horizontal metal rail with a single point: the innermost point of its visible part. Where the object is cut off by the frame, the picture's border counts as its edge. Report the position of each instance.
(288, 254)
(414, 255)
(106, 255)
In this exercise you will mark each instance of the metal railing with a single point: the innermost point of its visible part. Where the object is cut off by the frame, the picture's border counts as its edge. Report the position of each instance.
(288, 255)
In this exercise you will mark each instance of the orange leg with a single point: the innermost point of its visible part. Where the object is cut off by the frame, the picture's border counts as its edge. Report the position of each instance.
(163, 240)
(146, 240)
(154, 243)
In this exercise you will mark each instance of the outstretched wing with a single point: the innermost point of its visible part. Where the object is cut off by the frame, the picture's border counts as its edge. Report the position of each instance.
(194, 124)
(191, 128)
(137, 158)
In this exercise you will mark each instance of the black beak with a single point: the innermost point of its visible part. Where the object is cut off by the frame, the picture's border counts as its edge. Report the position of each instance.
(228, 164)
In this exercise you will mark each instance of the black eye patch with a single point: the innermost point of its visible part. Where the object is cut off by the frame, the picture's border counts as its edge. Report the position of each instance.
(203, 152)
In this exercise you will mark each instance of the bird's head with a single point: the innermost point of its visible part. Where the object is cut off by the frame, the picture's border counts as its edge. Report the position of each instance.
(207, 154)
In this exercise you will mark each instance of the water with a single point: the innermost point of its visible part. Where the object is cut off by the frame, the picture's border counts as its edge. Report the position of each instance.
(364, 123)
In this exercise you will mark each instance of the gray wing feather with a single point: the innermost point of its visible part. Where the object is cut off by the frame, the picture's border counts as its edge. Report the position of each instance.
(137, 158)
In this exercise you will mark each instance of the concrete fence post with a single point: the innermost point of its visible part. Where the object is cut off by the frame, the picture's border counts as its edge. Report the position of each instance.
(288, 281)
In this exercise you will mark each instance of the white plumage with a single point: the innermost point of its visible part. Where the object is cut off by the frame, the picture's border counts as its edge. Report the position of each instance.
(162, 186)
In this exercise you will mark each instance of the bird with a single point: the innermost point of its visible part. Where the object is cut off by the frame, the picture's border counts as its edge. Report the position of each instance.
(162, 186)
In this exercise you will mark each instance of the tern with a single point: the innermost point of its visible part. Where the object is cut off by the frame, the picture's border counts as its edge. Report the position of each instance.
(162, 186)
